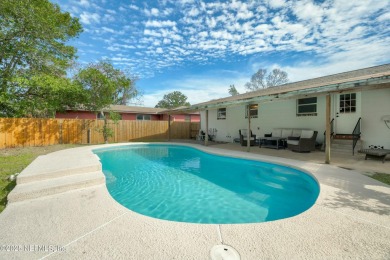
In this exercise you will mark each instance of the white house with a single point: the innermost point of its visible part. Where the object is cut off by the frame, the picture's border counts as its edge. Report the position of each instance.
(352, 95)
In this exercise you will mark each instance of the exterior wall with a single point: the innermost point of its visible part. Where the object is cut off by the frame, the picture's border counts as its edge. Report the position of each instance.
(155, 117)
(372, 105)
(133, 116)
(195, 118)
(126, 116)
(277, 114)
(165, 117)
(375, 105)
(179, 118)
(182, 118)
(76, 115)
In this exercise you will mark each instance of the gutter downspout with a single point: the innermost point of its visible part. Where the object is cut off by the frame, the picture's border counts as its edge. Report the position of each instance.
(248, 133)
(169, 127)
(327, 132)
(206, 136)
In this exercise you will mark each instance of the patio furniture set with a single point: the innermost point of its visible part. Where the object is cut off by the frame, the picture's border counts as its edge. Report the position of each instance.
(299, 140)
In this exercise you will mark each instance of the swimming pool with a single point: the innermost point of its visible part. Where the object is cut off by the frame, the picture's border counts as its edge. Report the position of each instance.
(181, 183)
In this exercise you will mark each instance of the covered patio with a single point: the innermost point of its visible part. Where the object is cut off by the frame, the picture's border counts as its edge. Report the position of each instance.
(363, 80)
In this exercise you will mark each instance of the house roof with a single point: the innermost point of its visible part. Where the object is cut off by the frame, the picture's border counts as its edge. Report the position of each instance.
(378, 77)
(143, 110)
(136, 109)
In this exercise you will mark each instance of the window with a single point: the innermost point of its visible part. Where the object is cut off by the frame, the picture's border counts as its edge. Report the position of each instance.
(143, 117)
(253, 110)
(187, 118)
(348, 103)
(307, 106)
(100, 116)
(221, 114)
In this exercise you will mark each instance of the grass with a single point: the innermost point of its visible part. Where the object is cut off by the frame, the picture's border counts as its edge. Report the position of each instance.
(382, 177)
(14, 160)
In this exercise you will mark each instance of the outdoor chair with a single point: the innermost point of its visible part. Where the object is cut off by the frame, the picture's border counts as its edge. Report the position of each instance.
(305, 143)
(201, 136)
(244, 139)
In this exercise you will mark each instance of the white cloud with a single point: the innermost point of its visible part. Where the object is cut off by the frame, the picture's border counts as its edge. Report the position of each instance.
(151, 12)
(134, 7)
(107, 30)
(221, 35)
(276, 3)
(308, 11)
(203, 34)
(84, 3)
(151, 33)
(155, 23)
(384, 17)
(211, 22)
(193, 12)
(88, 18)
(167, 41)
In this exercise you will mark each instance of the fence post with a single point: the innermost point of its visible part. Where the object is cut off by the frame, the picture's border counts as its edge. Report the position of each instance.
(169, 127)
(60, 141)
(89, 136)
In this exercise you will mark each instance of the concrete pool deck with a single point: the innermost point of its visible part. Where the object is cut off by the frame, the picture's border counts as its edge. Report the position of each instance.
(350, 220)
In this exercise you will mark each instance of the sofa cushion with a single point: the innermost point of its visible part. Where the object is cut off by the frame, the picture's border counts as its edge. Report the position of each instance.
(286, 133)
(293, 142)
(277, 132)
(307, 133)
(296, 132)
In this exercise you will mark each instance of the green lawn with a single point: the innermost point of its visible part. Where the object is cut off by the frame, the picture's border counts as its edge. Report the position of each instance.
(14, 160)
(382, 177)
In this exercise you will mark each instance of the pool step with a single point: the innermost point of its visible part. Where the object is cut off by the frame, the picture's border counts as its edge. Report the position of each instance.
(51, 186)
(48, 167)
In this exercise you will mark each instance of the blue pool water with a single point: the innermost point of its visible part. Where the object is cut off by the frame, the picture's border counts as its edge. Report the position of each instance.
(184, 184)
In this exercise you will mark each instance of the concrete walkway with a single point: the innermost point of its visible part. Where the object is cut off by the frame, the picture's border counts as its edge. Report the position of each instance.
(350, 220)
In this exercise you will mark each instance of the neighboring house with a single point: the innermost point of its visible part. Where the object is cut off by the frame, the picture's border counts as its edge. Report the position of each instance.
(363, 93)
(132, 113)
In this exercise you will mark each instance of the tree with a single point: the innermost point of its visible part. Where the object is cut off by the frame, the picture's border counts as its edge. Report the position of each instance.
(173, 100)
(104, 86)
(233, 91)
(33, 36)
(40, 95)
(261, 79)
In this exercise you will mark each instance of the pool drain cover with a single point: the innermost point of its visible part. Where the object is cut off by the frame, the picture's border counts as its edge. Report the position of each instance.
(224, 252)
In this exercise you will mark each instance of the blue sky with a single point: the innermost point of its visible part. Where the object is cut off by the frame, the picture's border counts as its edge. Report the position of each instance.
(201, 47)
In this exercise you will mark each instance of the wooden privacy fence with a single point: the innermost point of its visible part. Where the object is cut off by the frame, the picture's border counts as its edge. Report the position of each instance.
(16, 132)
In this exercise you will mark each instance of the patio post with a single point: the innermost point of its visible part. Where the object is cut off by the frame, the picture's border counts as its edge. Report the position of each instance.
(169, 127)
(327, 132)
(248, 133)
(206, 137)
